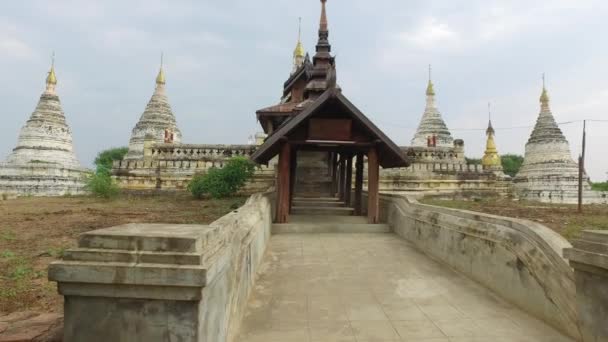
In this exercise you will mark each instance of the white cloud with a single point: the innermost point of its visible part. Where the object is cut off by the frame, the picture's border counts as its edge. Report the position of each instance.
(430, 33)
(12, 45)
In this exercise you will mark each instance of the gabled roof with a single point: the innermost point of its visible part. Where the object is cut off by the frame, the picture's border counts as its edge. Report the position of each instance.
(304, 70)
(390, 155)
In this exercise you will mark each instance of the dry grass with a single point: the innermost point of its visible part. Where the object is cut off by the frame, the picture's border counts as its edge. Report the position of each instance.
(36, 231)
(564, 219)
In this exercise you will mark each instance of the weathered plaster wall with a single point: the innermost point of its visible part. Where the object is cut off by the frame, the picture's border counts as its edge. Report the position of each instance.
(225, 298)
(143, 282)
(41, 179)
(518, 259)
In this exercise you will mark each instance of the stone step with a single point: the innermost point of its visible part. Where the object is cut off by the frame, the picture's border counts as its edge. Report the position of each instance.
(320, 228)
(146, 237)
(339, 219)
(314, 199)
(117, 273)
(109, 255)
(302, 204)
(322, 210)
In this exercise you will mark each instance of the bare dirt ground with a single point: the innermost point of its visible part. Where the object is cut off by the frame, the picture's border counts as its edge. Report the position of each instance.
(36, 231)
(564, 219)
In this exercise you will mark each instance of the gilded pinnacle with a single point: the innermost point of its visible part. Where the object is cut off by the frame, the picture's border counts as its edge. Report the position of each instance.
(51, 78)
(544, 97)
(430, 90)
(160, 79)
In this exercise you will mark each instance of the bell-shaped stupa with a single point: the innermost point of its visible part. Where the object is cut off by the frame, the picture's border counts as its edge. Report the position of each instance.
(432, 130)
(157, 121)
(43, 163)
(46, 136)
(548, 173)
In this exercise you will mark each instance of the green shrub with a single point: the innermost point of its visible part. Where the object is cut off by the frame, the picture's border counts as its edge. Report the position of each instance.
(473, 161)
(106, 158)
(224, 182)
(600, 186)
(511, 163)
(101, 183)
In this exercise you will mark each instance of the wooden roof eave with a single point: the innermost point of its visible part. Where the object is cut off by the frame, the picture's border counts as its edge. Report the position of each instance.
(272, 145)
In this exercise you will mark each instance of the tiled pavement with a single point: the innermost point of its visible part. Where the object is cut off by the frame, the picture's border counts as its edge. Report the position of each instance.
(374, 288)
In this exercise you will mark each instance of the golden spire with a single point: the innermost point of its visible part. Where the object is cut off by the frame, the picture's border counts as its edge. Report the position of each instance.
(544, 97)
(430, 90)
(160, 79)
(299, 50)
(51, 78)
(491, 159)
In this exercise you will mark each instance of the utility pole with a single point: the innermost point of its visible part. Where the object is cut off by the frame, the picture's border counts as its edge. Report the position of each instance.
(581, 168)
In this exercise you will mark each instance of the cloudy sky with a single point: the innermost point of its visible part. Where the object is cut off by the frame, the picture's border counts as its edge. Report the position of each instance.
(225, 59)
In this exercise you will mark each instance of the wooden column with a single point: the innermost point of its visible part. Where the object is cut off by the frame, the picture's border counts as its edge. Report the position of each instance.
(341, 177)
(283, 184)
(348, 184)
(293, 165)
(373, 200)
(358, 183)
(334, 174)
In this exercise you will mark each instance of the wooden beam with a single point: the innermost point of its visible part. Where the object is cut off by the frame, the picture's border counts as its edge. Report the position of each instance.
(283, 184)
(358, 183)
(348, 185)
(373, 199)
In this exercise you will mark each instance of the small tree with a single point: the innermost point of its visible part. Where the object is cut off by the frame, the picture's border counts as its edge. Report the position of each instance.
(106, 158)
(511, 163)
(224, 182)
(101, 183)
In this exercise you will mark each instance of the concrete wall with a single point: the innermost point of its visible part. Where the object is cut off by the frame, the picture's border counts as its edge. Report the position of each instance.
(517, 259)
(163, 282)
(225, 299)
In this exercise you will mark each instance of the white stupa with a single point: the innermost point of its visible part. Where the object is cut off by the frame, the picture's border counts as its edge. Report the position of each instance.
(157, 122)
(43, 162)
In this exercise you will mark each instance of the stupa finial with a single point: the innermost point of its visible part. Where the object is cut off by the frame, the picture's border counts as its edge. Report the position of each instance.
(299, 53)
(160, 79)
(52, 78)
(544, 97)
(490, 129)
(430, 90)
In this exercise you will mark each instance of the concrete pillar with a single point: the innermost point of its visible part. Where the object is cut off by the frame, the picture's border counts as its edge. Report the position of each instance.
(589, 258)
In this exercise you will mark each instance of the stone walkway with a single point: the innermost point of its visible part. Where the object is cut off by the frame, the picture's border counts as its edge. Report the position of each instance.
(374, 288)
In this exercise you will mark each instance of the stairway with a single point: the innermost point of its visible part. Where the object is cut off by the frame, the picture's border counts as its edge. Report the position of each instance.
(315, 209)
(320, 206)
(315, 224)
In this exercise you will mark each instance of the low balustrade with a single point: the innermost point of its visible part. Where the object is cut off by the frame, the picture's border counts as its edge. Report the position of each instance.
(199, 152)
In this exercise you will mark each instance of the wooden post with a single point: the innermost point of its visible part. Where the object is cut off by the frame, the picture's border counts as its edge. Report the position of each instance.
(348, 184)
(334, 174)
(581, 169)
(293, 164)
(373, 200)
(341, 167)
(283, 184)
(358, 183)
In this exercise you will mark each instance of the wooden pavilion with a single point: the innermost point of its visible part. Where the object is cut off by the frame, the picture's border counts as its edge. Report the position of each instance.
(318, 117)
